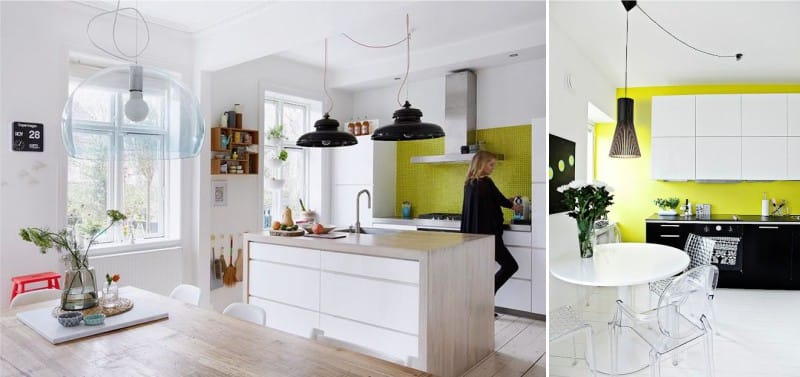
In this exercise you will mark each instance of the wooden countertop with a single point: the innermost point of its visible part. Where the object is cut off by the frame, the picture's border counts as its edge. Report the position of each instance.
(403, 244)
(193, 341)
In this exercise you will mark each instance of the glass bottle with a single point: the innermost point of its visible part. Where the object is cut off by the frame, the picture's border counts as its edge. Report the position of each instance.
(365, 127)
(110, 295)
(357, 128)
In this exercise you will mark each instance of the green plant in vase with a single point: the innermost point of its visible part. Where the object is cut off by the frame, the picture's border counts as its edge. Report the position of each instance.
(588, 202)
(79, 290)
(667, 206)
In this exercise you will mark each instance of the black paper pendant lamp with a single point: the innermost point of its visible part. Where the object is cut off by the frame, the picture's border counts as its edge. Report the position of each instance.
(625, 144)
(327, 134)
(408, 126)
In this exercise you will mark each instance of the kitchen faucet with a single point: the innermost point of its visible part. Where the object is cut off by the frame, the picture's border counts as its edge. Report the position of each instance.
(358, 207)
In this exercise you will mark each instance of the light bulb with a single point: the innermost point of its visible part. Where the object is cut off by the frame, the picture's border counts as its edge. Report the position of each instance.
(136, 109)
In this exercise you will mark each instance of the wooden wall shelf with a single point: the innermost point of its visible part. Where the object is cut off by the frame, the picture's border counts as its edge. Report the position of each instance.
(238, 140)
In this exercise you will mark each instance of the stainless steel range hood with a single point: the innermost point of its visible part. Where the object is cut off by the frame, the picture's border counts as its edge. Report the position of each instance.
(460, 115)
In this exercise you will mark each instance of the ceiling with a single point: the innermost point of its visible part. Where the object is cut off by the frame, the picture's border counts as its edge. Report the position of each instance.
(446, 35)
(767, 33)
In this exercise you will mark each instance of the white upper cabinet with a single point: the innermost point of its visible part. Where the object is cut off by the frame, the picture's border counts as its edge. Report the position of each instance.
(673, 158)
(793, 111)
(764, 158)
(718, 158)
(718, 115)
(793, 152)
(764, 115)
(673, 116)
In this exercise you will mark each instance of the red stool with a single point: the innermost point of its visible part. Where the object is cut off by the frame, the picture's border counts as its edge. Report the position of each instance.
(18, 282)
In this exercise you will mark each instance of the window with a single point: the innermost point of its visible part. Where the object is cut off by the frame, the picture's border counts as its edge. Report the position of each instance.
(132, 178)
(294, 113)
(590, 152)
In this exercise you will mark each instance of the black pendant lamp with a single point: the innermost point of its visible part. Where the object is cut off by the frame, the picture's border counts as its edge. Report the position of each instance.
(625, 144)
(408, 124)
(326, 132)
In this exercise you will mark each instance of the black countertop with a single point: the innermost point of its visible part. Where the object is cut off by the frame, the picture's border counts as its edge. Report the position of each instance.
(718, 218)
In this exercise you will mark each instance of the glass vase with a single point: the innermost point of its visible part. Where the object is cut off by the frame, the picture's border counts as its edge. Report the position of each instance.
(79, 288)
(110, 295)
(586, 237)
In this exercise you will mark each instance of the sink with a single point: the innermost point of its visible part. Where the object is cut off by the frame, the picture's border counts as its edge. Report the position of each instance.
(364, 230)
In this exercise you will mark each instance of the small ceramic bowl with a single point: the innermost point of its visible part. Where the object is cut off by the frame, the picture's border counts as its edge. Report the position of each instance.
(94, 319)
(70, 319)
(325, 228)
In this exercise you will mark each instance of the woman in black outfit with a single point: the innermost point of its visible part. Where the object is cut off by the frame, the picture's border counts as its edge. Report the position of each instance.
(481, 213)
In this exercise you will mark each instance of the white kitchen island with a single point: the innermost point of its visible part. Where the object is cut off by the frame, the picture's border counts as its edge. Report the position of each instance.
(426, 298)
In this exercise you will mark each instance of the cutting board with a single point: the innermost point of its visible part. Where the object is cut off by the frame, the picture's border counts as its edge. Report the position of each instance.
(328, 235)
(43, 322)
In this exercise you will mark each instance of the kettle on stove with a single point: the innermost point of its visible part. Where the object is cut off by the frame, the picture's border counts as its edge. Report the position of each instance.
(523, 216)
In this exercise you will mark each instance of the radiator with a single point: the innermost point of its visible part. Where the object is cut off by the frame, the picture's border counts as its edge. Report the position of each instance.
(157, 271)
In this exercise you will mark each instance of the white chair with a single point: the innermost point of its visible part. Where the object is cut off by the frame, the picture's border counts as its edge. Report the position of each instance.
(247, 312)
(187, 293)
(35, 296)
(564, 321)
(319, 336)
(680, 319)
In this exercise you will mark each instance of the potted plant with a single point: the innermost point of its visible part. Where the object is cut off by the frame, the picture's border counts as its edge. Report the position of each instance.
(277, 160)
(667, 206)
(276, 136)
(79, 290)
(588, 202)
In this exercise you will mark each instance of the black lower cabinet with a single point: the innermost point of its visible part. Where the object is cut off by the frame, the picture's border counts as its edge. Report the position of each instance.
(669, 234)
(767, 256)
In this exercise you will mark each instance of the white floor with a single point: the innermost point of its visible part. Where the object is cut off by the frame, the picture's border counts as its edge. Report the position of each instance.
(759, 336)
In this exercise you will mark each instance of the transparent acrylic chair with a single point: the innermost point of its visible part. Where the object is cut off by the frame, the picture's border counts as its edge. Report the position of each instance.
(681, 318)
(564, 321)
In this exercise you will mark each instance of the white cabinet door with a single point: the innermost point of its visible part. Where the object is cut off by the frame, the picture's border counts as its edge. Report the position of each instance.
(718, 158)
(397, 346)
(514, 294)
(673, 116)
(793, 164)
(673, 158)
(793, 111)
(295, 286)
(400, 270)
(343, 205)
(288, 318)
(517, 238)
(539, 281)
(382, 303)
(764, 115)
(353, 165)
(523, 257)
(718, 115)
(764, 158)
(285, 254)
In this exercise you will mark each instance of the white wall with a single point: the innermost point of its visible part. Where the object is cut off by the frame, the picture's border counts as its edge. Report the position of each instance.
(244, 84)
(508, 95)
(568, 117)
(36, 40)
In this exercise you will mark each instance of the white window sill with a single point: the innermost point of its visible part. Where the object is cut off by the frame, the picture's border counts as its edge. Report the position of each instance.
(140, 245)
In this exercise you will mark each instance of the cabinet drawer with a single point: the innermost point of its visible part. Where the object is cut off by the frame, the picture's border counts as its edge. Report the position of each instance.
(511, 238)
(376, 267)
(292, 285)
(523, 257)
(284, 254)
(390, 343)
(288, 318)
(515, 294)
(379, 302)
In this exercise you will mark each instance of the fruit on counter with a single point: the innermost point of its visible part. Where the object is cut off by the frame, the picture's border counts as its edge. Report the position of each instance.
(287, 217)
(276, 225)
(317, 228)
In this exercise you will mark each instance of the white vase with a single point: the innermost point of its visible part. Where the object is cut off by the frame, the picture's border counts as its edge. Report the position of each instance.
(276, 184)
(667, 212)
(274, 163)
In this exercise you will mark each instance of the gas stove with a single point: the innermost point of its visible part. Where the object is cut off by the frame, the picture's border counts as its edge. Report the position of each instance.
(440, 216)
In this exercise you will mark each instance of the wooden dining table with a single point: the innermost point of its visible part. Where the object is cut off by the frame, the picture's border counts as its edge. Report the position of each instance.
(191, 342)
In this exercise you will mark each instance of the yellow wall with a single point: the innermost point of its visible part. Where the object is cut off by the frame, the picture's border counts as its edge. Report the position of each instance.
(635, 191)
(440, 187)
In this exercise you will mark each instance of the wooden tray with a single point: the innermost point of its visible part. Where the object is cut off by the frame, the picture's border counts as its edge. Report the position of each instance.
(287, 233)
(123, 305)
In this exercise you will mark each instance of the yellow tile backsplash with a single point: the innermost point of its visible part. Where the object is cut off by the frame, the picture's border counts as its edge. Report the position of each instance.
(440, 187)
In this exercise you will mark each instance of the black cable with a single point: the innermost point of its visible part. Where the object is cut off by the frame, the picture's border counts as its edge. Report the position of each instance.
(626, 54)
(737, 56)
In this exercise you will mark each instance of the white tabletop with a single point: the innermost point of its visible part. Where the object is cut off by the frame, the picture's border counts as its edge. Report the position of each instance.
(620, 264)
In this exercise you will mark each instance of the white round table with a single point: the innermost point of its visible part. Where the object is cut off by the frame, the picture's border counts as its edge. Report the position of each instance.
(620, 265)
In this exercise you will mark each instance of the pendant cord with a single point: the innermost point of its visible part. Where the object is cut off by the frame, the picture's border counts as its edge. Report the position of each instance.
(626, 53)
(121, 54)
(736, 56)
(325, 80)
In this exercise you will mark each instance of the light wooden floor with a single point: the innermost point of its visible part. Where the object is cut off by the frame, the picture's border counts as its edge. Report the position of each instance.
(759, 336)
(519, 345)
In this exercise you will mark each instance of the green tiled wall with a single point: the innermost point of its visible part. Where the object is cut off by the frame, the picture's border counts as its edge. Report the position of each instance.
(440, 187)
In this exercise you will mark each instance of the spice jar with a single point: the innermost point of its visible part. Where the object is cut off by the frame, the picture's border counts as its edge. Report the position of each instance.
(357, 128)
(365, 127)
(351, 128)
